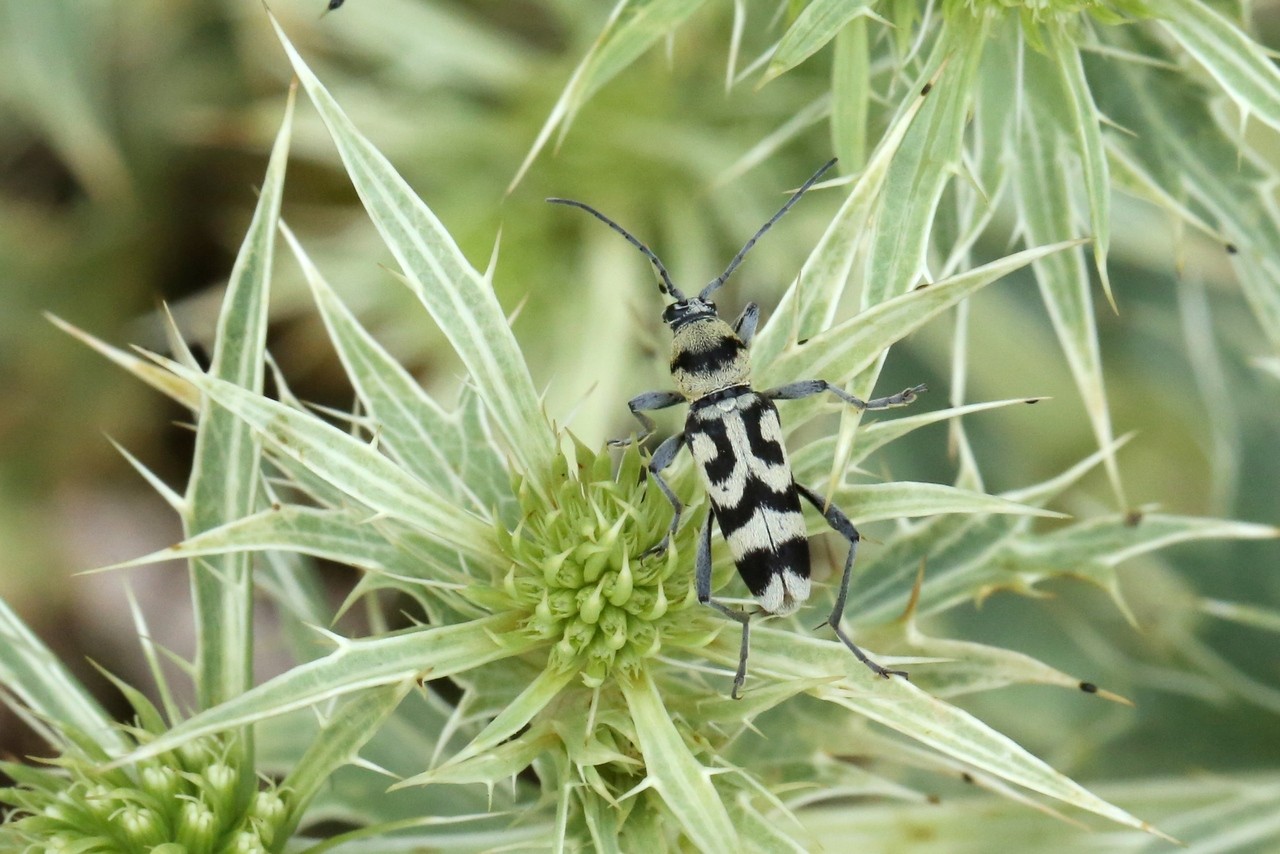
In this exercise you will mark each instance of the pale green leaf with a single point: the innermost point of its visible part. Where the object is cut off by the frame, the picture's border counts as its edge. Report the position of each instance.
(519, 712)
(675, 773)
(852, 346)
(810, 303)
(899, 705)
(1267, 619)
(926, 160)
(1087, 122)
(224, 469)
(1111, 540)
(961, 554)
(1044, 190)
(1239, 64)
(408, 422)
(850, 94)
(1257, 278)
(356, 665)
(32, 673)
(768, 832)
(1181, 143)
(493, 766)
(459, 299)
(816, 456)
(632, 29)
(343, 536)
(817, 24)
(1208, 812)
(970, 667)
(906, 499)
(338, 743)
(352, 466)
(161, 380)
(1133, 177)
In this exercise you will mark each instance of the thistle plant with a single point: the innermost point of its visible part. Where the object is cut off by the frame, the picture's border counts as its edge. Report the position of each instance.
(545, 652)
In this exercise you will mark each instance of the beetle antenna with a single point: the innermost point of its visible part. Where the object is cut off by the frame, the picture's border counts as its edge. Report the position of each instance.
(742, 253)
(666, 286)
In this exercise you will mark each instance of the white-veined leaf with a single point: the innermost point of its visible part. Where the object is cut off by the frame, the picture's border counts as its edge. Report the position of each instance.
(424, 653)
(901, 706)
(817, 24)
(352, 466)
(1237, 62)
(224, 469)
(671, 768)
(1044, 191)
(32, 673)
(809, 304)
(459, 299)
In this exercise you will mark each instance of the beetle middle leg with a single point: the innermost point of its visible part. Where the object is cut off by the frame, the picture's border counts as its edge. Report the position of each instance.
(703, 581)
(808, 388)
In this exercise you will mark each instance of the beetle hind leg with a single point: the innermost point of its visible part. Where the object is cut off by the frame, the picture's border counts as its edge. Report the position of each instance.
(841, 525)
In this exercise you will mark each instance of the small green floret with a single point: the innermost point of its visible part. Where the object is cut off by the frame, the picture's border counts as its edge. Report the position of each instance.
(577, 574)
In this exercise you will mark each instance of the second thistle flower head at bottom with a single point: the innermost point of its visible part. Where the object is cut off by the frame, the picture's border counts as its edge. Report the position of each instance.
(190, 799)
(576, 571)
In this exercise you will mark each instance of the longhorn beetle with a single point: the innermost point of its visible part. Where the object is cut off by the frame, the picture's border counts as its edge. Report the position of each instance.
(735, 437)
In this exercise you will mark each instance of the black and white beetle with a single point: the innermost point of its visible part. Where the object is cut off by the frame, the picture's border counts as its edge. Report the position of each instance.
(735, 437)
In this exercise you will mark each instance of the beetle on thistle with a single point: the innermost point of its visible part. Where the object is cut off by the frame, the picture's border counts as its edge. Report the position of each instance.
(735, 436)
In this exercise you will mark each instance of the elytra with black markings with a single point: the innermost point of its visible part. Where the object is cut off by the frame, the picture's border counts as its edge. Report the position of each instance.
(735, 436)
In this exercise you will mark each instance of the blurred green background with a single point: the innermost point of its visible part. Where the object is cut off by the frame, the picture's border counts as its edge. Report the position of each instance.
(131, 138)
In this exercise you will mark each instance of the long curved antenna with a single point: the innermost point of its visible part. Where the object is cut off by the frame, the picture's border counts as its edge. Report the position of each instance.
(742, 253)
(667, 286)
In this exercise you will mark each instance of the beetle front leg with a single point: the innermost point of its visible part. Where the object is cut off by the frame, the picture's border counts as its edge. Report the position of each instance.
(642, 403)
(662, 458)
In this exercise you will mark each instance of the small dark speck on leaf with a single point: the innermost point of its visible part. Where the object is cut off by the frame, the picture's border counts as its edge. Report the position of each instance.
(1088, 687)
(966, 776)
(802, 342)
(926, 89)
(934, 799)
(1032, 400)
(1232, 249)
(1133, 518)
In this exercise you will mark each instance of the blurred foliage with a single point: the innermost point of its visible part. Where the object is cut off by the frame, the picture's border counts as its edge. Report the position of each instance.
(132, 135)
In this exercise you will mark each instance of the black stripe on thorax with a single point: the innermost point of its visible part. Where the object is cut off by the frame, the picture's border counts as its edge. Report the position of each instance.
(718, 356)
